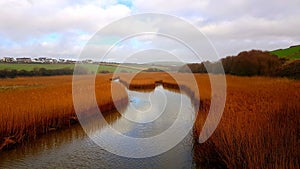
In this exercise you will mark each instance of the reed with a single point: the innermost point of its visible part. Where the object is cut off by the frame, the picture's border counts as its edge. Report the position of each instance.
(259, 127)
(260, 124)
(33, 106)
(179, 81)
(138, 81)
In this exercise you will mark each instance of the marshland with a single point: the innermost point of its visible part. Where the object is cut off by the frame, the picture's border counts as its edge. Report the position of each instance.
(259, 126)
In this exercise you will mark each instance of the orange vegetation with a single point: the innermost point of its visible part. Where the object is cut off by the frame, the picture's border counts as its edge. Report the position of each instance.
(259, 127)
(36, 105)
(187, 83)
(260, 124)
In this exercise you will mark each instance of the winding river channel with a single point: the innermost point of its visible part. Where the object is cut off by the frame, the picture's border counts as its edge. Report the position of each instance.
(156, 111)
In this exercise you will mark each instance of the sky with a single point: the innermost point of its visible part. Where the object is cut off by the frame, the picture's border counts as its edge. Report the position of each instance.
(61, 28)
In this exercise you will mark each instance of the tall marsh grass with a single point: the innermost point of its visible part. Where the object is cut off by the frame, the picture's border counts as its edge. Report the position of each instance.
(33, 106)
(260, 126)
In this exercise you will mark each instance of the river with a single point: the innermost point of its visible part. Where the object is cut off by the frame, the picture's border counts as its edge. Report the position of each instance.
(73, 148)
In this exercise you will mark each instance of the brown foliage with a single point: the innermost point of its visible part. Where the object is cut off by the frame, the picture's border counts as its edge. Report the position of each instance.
(290, 69)
(248, 63)
(32, 106)
(251, 63)
(259, 127)
(260, 124)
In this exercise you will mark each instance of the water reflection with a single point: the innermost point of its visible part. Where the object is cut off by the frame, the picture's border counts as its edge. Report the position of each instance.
(72, 148)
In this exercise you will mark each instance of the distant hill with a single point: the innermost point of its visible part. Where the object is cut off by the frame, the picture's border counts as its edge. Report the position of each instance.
(170, 63)
(292, 52)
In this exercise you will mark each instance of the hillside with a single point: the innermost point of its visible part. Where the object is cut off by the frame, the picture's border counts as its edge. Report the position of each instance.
(292, 52)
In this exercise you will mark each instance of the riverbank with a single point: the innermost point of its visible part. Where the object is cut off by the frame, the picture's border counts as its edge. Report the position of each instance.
(259, 126)
(78, 146)
(34, 106)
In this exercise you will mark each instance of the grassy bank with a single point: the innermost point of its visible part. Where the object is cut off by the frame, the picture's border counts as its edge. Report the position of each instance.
(292, 52)
(89, 67)
(33, 106)
(178, 81)
(259, 126)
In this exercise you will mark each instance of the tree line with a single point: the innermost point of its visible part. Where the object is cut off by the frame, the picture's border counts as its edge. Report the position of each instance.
(249, 63)
(7, 73)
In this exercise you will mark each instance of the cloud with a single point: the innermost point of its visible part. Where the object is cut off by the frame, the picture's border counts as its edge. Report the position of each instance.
(21, 21)
(236, 25)
(249, 26)
(176, 7)
(248, 32)
(62, 27)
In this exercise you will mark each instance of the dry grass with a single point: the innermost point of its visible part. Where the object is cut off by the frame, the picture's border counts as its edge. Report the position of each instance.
(181, 81)
(32, 106)
(260, 124)
(259, 127)
(140, 80)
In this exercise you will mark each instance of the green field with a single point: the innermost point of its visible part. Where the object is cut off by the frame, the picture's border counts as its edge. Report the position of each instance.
(29, 67)
(117, 68)
(90, 67)
(292, 52)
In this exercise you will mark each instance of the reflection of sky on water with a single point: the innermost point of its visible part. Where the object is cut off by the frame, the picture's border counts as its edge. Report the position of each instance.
(146, 107)
(149, 114)
(72, 148)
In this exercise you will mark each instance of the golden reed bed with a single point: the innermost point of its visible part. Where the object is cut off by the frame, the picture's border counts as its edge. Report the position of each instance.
(37, 105)
(259, 127)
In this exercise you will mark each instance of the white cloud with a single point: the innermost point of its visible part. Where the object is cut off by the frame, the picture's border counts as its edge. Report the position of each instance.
(236, 25)
(232, 25)
(21, 21)
(177, 7)
(248, 32)
(25, 20)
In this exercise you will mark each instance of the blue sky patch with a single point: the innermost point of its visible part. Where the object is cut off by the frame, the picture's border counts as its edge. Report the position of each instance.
(125, 2)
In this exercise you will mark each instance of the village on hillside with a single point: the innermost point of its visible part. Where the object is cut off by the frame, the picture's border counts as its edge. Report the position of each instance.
(45, 60)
